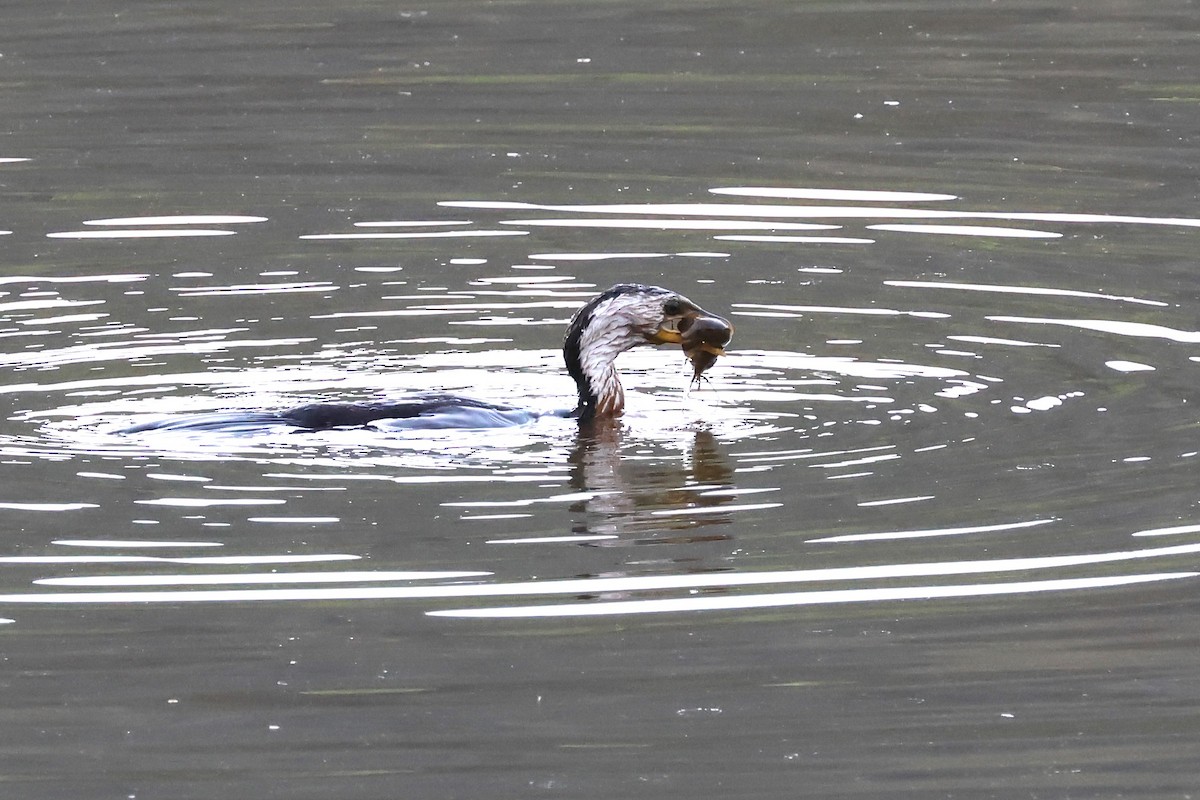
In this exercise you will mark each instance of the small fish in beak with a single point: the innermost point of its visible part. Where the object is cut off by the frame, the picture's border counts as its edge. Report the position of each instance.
(704, 339)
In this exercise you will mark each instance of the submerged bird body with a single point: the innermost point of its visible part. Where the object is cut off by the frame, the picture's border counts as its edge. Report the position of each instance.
(418, 411)
(614, 321)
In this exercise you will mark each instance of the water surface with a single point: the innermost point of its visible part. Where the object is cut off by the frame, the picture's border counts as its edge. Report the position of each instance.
(928, 530)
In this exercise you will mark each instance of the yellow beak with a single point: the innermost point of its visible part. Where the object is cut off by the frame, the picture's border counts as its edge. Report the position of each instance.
(665, 335)
(695, 328)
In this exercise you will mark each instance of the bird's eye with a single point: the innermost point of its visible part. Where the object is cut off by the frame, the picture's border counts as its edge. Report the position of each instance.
(672, 307)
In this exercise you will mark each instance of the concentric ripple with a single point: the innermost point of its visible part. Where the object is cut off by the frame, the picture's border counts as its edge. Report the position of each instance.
(995, 421)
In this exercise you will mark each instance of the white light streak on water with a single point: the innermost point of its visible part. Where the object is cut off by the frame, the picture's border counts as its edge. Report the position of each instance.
(47, 506)
(118, 352)
(494, 205)
(576, 539)
(1026, 290)
(785, 599)
(62, 319)
(260, 577)
(592, 256)
(968, 230)
(423, 479)
(704, 492)
(1135, 329)
(399, 312)
(895, 501)
(127, 544)
(573, 497)
(794, 455)
(413, 235)
(528, 280)
(855, 462)
(202, 560)
(254, 289)
(798, 239)
(34, 279)
(920, 534)
(711, 510)
(1175, 531)
(791, 310)
(497, 306)
(199, 502)
(847, 195)
(136, 233)
(225, 488)
(180, 219)
(410, 223)
(670, 224)
(874, 370)
(38, 305)
(826, 212)
(197, 378)
(1128, 366)
(486, 517)
(575, 586)
(1005, 342)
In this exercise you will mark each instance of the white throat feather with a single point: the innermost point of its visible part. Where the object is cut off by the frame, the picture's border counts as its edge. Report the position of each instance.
(614, 322)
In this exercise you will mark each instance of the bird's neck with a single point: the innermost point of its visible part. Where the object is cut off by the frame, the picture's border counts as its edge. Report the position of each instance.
(594, 369)
(606, 398)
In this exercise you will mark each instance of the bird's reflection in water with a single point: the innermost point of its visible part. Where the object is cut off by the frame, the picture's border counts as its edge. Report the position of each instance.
(649, 499)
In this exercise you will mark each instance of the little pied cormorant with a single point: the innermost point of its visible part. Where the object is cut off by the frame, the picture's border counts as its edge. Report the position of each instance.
(614, 321)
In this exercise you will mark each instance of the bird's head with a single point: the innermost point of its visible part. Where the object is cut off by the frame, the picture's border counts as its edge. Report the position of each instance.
(623, 317)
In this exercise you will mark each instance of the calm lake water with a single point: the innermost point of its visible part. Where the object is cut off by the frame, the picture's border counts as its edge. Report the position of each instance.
(930, 529)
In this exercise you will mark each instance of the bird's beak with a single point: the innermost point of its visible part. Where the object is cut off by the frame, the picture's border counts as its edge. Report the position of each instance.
(665, 334)
(694, 329)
